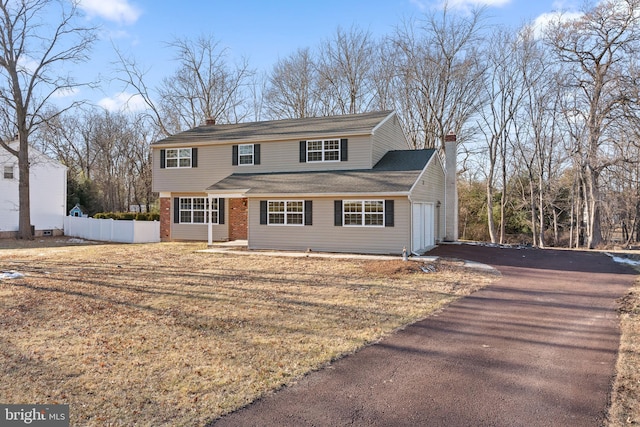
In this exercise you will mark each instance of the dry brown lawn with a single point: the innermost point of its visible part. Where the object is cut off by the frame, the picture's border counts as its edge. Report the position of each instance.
(159, 334)
(625, 400)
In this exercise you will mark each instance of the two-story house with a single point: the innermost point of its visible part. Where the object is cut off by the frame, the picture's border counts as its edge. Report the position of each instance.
(336, 184)
(47, 193)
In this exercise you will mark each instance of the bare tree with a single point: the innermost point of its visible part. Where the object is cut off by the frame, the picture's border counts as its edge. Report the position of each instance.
(32, 56)
(106, 152)
(440, 75)
(593, 49)
(345, 71)
(204, 87)
(291, 88)
(504, 91)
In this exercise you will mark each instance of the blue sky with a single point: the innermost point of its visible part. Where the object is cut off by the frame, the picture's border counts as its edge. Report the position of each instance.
(261, 31)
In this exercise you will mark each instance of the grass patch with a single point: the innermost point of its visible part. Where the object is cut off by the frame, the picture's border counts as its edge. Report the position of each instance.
(625, 399)
(158, 334)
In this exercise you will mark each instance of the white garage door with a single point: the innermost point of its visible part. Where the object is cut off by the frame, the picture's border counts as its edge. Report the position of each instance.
(422, 226)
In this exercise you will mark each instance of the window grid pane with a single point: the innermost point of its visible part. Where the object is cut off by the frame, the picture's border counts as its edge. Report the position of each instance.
(245, 154)
(245, 149)
(373, 206)
(363, 213)
(285, 212)
(195, 210)
(332, 150)
(178, 158)
(353, 219)
(198, 217)
(314, 145)
(276, 218)
(373, 219)
(314, 156)
(323, 151)
(185, 203)
(8, 172)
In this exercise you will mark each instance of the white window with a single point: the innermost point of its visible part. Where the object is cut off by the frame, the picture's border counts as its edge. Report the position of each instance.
(363, 213)
(285, 212)
(323, 151)
(8, 171)
(178, 158)
(196, 210)
(245, 154)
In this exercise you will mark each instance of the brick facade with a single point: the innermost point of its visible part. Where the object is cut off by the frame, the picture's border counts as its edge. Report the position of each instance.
(165, 219)
(238, 219)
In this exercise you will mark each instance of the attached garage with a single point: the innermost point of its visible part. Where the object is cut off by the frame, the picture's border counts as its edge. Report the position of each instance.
(423, 226)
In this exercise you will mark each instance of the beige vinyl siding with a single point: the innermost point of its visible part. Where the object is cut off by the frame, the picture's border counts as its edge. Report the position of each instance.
(285, 157)
(214, 164)
(324, 236)
(198, 231)
(429, 188)
(389, 136)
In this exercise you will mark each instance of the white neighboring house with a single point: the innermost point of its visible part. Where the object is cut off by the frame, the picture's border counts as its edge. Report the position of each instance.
(48, 193)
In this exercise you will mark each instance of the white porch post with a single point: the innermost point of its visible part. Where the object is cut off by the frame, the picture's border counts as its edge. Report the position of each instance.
(209, 223)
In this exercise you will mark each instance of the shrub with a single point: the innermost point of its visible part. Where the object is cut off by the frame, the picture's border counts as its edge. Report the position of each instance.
(140, 216)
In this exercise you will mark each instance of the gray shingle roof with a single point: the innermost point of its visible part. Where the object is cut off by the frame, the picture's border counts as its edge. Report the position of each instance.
(396, 172)
(353, 124)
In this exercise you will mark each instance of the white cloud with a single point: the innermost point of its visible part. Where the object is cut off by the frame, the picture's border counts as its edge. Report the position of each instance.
(462, 5)
(120, 11)
(542, 21)
(123, 102)
(466, 4)
(421, 5)
(27, 65)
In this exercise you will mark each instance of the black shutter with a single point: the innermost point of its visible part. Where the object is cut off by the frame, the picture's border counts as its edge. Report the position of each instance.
(344, 151)
(263, 211)
(176, 210)
(221, 211)
(163, 158)
(303, 151)
(308, 212)
(388, 213)
(194, 157)
(337, 213)
(256, 154)
(234, 155)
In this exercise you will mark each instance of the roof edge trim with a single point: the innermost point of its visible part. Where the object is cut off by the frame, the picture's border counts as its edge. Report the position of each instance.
(373, 131)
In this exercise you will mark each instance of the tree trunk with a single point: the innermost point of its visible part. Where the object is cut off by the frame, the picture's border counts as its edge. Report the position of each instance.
(594, 236)
(556, 235)
(532, 201)
(541, 217)
(24, 203)
(490, 221)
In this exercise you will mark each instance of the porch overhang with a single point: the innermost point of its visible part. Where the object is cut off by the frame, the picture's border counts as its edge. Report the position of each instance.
(235, 194)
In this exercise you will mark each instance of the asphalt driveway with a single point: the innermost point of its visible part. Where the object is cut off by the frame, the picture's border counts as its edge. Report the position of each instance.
(536, 348)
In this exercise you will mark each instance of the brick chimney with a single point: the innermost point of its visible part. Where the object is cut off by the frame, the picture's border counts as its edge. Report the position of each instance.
(210, 121)
(451, 188)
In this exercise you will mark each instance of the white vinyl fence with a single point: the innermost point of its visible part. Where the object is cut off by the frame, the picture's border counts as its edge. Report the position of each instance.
(110, 230)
